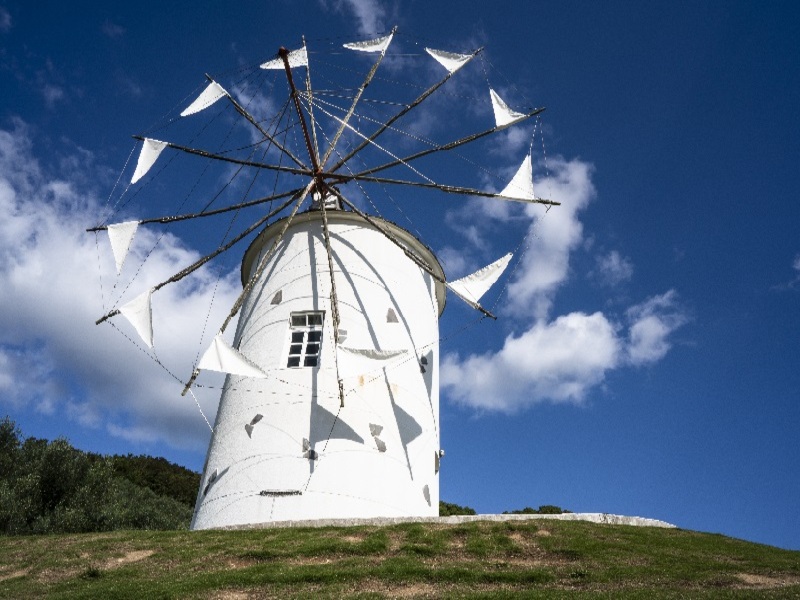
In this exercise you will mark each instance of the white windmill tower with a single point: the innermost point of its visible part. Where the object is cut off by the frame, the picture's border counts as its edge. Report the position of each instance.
(330, 407)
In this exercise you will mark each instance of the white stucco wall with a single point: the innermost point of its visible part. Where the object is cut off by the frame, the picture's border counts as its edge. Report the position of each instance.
(263, 476)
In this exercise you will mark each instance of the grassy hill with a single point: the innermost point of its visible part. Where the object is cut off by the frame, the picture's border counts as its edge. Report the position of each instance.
(534, 559)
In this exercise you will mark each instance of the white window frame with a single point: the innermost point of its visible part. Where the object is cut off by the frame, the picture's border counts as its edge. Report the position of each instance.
(305, 339)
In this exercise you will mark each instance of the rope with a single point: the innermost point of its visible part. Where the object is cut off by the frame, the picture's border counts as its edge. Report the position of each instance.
(210, 428)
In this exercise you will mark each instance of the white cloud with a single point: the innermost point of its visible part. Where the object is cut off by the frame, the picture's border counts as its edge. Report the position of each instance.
(52, 356)
(651, 323)
(552, 236)
(51, 93)
(370, 14)
(456, 262)
(558, 359)
(549, 238)
(613, 268)
(796, 263)
(5, 20)
(563, 359)
(112, 30)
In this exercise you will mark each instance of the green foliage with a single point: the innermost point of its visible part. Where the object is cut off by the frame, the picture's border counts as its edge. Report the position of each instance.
(159, 475)
(446, 509)
(545, 509)
(50, 487)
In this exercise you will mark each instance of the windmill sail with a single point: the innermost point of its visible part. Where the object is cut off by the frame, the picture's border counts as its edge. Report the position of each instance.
(140, 314)
(474, 286)
(449, 60)
(121, 237)
(223, 358)
(147, 157)
(296, 58)
(503, 115)
(209, 96)
(521, 186)
(377, 45)
(358, 361)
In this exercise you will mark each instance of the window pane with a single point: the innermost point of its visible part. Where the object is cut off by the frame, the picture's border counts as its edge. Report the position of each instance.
(296, 349)
(294, 361)
(312, 349)
(298, 320)
(315, 319)
(311, 361)
(314, 336)
(297, 337)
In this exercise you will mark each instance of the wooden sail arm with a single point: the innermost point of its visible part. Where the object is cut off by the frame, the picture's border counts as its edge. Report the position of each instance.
(356, 98)
(413, 257)
(284, 54)
(242, 111)
(263, 262)
(209, 213)
(309, 94)
(450, 189)
(196, 265)
(256, 276)
(235, 161)
(448, 146)
(397, 116)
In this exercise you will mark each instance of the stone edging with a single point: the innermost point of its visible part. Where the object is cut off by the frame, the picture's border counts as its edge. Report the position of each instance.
(453, 520)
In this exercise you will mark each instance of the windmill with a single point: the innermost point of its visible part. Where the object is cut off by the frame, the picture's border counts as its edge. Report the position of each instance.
(330, 407)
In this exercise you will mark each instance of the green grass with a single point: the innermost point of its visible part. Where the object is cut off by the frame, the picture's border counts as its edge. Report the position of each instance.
(533, 559)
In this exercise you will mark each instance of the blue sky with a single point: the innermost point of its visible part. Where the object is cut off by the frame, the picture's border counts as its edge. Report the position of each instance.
(645, 361)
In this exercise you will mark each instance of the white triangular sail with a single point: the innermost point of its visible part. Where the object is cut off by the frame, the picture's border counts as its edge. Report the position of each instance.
(473, 287)
(221, 357)
(296, 58)
(209, 96)
(377, 45)
(140, 314)
(360, 361)
(503, 115)
(449, 60)
(521, 186)
(121, 237)
(150, 151)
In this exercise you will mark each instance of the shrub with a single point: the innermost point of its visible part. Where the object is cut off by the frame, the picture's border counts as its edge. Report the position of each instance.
(447, 509)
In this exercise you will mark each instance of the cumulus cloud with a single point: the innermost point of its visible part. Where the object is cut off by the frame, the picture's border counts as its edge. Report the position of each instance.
(52, 356)
(553, 237)
(369, 14)
(563, 359)
(651, 323)
(549, 239)
(5, 20)
(559, 359)
(613, 268)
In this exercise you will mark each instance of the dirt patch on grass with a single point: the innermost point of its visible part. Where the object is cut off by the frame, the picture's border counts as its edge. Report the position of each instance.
(764, 581)
(12, 574)
(129, 557)
(395, 541)
(233, 595)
